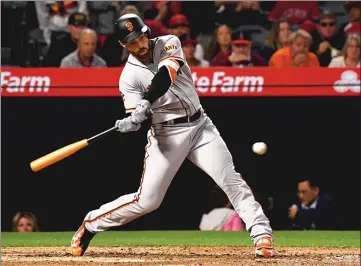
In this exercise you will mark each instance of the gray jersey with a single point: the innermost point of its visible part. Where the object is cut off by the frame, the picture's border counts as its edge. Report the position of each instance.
(180, 100)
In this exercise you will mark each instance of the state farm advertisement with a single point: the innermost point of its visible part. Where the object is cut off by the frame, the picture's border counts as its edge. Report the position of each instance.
(209, 82)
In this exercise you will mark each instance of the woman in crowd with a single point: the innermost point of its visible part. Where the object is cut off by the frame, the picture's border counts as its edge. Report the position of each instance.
(350, 54)
(221, 42)
(277, 39)
(222, 216)
(25, 222)
(297, 54)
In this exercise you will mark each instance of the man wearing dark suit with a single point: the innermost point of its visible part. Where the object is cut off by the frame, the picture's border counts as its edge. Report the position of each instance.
(314, 211)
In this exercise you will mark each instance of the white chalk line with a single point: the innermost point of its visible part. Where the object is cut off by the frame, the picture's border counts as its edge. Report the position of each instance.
(82, 259)
(345, 258)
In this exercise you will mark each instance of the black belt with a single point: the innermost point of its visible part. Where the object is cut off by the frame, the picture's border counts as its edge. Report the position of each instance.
(184, 119)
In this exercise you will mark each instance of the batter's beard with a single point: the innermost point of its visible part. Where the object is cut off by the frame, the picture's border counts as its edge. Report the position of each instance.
(142, 58)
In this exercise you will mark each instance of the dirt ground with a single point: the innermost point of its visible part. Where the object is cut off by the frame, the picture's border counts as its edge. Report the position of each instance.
(131, 256)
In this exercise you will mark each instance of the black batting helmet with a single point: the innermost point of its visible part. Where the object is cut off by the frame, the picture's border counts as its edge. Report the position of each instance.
(130, 27)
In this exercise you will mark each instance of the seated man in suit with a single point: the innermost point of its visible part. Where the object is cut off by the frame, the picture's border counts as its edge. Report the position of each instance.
(314, 211)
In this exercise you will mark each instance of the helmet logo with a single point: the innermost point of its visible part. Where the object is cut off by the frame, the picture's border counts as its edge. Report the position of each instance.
(129, 26)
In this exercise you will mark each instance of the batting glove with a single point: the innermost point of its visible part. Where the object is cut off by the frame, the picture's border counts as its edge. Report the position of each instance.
(126, 125)
(142, 112)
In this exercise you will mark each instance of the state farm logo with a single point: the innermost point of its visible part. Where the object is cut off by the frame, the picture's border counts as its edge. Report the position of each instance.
(14, 84)
(348, 82)
(227, 84)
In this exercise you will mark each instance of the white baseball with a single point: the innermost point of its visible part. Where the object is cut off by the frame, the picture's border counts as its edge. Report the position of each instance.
(259, 148)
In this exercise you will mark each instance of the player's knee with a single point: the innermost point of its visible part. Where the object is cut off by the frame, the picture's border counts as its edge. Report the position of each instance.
(230, 178)
(232, 183)
(150, 204)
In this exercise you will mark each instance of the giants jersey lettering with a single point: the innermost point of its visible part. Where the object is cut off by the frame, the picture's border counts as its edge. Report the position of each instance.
(180, 100)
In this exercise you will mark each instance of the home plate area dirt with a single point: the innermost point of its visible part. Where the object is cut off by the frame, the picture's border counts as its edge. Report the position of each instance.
(171, 255)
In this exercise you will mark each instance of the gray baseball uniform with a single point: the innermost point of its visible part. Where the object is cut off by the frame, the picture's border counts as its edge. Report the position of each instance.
(169, 144)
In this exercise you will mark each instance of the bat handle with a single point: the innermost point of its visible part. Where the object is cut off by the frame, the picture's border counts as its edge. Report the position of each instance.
(149, 114)
(102, 134)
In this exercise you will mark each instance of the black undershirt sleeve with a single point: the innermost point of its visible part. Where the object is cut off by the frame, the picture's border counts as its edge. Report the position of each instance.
(159, 86)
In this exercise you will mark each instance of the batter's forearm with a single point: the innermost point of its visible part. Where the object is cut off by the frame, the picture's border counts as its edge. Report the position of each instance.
(159, 86)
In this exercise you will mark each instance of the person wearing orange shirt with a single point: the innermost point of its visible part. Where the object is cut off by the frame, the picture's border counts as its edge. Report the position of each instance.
(297, 54)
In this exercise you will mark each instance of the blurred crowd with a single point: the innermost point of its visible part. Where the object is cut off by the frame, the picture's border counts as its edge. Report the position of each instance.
(312, 209)
(213, 33)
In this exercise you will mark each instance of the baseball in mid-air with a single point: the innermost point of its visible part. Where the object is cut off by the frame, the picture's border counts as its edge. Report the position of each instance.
(259, 148)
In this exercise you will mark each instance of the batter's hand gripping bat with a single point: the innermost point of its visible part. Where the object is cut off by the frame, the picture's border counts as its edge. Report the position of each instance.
(70, 149)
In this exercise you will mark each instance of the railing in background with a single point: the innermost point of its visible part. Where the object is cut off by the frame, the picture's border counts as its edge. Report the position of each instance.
(209, 82)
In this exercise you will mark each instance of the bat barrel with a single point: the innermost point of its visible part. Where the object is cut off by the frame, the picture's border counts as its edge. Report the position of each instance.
(57, 155)
(66, 151)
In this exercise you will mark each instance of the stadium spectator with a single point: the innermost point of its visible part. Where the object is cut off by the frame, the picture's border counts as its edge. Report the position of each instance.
(189, 48)
(202, 28)
(277, 39)
(296, 12)
(354, 10)
(25, 222)
(241, 54)
(162, 11)
(178, 25)
(19, 21)
(102, 16)
(224, 10)
(350, 56)
(241, 13)
(314, 210)
(53, 16)
(297, 54)
(308, 26)
(221, 42)
(249, 13)
(85, 55)
(142, 6)
(64, 44)
(326, 41)
(222, 216)
(157, 28)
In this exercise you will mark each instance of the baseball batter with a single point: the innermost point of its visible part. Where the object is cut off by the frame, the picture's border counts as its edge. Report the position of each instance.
(156, 79)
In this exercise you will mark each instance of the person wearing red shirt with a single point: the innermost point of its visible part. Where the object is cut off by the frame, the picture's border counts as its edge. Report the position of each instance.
(241, 54)
(178, 26)
(162, 11)
(296, 12)
(354, 10)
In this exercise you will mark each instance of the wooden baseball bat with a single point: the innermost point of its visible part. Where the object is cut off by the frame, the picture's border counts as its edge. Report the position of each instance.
(70, 149)
(66, 151)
